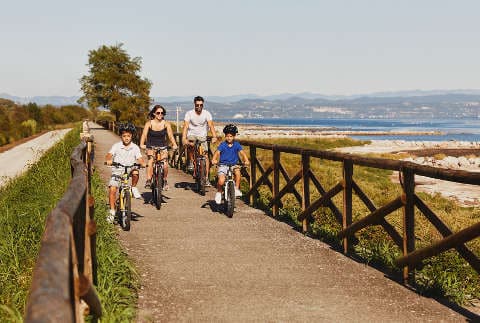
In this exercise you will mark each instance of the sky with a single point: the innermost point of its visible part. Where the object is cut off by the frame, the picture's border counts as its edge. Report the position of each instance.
(260, 47)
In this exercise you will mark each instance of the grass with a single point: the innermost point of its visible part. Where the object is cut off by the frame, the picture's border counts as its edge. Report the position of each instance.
(23, 212)
(446, 275)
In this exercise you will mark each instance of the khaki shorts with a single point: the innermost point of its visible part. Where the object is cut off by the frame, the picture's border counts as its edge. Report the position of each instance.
(163, 153)
(203, 141)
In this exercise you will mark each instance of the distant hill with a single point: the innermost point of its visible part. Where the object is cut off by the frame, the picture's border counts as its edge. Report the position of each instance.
(402, 104)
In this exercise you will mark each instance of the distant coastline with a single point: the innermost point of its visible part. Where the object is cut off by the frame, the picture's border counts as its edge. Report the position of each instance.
(363, 129)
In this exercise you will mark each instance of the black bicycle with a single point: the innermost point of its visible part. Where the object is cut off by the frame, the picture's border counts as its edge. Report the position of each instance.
(200, 167)
(158, 180)
(123, 204)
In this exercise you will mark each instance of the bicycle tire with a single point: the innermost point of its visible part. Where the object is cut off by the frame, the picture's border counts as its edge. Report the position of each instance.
(230, 199)
(158, 188)
(202, 178)
(128, 211)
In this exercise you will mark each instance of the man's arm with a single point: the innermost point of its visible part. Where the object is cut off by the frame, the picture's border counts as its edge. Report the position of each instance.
(212, 129)
(215, 157)
(184, 132)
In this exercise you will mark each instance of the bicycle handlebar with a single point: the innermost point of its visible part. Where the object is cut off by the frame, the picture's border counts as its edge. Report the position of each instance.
(121, 165)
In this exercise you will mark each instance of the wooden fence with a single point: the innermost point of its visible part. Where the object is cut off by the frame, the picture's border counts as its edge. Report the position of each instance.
(62, 288)
(269, 175)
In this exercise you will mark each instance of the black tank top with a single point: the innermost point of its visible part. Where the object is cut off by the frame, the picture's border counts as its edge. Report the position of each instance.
(156, 138)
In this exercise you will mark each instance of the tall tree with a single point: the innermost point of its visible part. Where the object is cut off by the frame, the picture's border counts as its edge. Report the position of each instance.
(114, 83)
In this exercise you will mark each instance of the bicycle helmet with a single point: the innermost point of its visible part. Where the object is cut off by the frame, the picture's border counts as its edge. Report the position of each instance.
(126, 127)
(231, 129)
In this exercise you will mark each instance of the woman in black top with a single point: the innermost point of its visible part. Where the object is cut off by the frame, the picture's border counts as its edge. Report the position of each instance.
(155, 133)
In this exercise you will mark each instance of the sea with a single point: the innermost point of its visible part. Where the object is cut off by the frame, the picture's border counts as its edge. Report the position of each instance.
(445, 130)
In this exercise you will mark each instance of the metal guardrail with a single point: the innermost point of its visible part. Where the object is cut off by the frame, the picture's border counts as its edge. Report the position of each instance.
(62, 288)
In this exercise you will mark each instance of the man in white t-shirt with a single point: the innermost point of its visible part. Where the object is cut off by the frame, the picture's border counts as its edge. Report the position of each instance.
(195, 126)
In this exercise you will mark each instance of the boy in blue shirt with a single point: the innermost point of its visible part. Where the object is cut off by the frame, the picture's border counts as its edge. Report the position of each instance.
(228, 151)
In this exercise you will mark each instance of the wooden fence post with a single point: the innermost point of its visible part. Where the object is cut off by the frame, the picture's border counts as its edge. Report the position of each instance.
(408, 220)
(305, 188)
(253, 172)
(276, 179)
(347, 200)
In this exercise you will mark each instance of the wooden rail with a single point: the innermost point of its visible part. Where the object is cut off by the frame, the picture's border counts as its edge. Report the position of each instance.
(269, 176)
(63, 281)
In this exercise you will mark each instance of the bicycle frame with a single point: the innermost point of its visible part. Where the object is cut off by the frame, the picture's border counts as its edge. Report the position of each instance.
(123, 201)
(228, 191)
(157, 177)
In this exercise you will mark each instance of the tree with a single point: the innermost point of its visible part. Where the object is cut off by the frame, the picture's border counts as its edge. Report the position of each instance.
(113, 83)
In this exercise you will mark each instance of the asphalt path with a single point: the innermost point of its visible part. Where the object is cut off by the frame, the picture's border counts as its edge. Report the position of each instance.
(197, 265)
(15, 161)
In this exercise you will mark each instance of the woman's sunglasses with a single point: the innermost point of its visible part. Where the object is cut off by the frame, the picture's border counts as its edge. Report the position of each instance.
(157, 113)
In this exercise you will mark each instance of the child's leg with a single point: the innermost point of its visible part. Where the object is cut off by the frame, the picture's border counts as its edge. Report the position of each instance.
(134, 177)
(220, 182)
(237, 177)
(112, 196)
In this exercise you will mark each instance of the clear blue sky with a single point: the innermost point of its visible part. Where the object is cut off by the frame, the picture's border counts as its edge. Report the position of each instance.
(249, 46)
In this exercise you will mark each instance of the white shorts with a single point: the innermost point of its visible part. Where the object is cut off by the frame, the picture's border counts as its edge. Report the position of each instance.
(116, 176)
(223, 169)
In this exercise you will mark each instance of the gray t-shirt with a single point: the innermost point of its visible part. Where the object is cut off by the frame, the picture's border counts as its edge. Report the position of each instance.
(197, 124)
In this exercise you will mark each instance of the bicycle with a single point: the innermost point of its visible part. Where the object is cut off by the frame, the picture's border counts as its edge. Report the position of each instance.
(158, 180)
(228, 190)
(123, 204)
(200, 167)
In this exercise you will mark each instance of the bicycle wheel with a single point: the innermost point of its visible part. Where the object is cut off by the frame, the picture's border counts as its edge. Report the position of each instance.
(158, 188)
(127, 216)
(230, 199)
(202, 176)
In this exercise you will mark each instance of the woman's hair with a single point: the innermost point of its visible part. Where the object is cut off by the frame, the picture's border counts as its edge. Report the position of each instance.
(151, 114)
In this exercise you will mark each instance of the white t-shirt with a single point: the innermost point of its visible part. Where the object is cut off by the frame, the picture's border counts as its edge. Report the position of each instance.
(197, 124)
(125, 155)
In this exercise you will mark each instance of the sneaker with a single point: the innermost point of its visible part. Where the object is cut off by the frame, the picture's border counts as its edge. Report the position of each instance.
(136, 193)
(111, 216)
(148, 183)
(238, 193)
(190, 166)
(207, 183)
(218, 198)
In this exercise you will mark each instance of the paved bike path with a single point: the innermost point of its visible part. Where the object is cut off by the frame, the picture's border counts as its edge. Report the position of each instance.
(198, 265)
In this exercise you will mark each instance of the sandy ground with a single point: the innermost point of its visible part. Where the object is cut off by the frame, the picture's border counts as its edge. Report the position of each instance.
(16, 160)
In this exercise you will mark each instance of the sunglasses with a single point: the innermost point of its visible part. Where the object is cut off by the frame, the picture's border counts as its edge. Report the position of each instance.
(199, 105)
(157, 113)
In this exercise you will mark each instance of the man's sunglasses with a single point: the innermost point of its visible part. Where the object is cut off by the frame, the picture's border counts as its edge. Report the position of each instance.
(198, 105)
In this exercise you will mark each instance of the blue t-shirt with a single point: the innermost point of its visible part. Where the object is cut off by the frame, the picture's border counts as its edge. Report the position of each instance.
(229, 155)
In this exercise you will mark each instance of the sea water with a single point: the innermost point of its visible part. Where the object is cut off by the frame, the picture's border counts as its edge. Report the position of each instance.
(445, 130)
